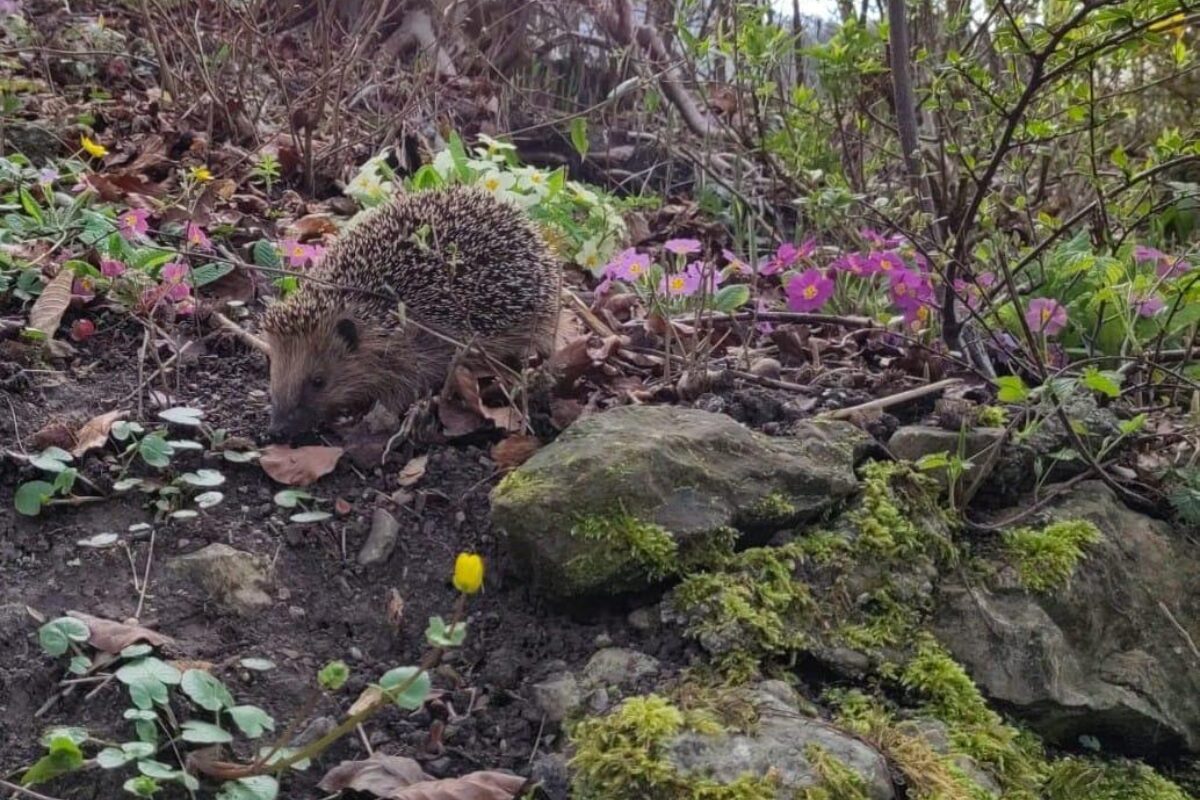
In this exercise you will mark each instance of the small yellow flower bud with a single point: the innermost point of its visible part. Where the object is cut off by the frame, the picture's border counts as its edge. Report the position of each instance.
(201, 174)
(468, 573)
(94, 149)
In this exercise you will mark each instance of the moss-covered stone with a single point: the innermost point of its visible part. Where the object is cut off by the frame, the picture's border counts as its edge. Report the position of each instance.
(1046, 559)
(702, 480)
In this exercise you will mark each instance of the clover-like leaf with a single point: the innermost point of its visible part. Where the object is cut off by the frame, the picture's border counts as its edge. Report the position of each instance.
(56, 636)
(407, 687)
(205, 691)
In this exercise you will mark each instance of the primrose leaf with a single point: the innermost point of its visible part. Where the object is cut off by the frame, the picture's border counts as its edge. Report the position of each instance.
(407, 687)
(31, 496)
(52, 459)
(56, 636)
(195, 730)
(1011, 389)
(252, 720)
(203, 477)
(1103, 381)
(156, 451)
(205, 690)
(75, 734)
(147, 679)
(209, 499)
(62, 756)
(732, 297)
(257, 787)
(439, 635)
(182, 415)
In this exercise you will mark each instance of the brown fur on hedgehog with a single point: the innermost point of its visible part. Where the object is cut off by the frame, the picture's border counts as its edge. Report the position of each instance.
(457, 261)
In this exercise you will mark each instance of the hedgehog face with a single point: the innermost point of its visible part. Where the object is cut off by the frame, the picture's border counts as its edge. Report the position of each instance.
(315, 375)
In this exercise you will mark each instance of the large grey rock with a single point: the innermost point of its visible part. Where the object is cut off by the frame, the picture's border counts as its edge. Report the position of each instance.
(779, 743)
(913, 442)
(233, 578)
(589, 514)
(1109, 655)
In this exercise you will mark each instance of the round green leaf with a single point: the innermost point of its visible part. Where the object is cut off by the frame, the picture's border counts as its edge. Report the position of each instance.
(56, 635)
(310, 516)
(155, 451)
(407, 687)
(31, 496)
(182, 415)
(204, 733)
(209, 499)
(252, 720)
(205, 690)
(203, 477)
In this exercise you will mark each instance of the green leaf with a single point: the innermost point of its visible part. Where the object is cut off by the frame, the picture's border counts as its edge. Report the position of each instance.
(136, 651)
(30, 205)
(62, 756)
(252, 720)
(147, 679)
(157, 769)
(56, 636)
(113, 757)
(1131, 426)
(207, 273)
(75, 734)
(52, 459)
(1103, 382)
(239, 457)
(290, 498)
(407, 687)
(459, 154)
(258, 787)
(31, 496)
(208, 499)
(439, 635)
(730, 298)
(155, 450)
(65, 481)
(579, 136)
(182, 415)
(205, 691)
(203, 477)
(333, 675)
(266, 254)
(123, 429)
(310, 516)
(1011, 389)
(141, 786)
(79, 665)
(200, 732)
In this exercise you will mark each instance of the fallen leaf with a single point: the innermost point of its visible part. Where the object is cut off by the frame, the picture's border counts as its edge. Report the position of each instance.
(569, 362)
(395, 609)
(298, 466)
(341, 507)
(94, 432)
(312, 226)
(457, 420)
(514, 451)
(48, 309)
(113, 637)
(400, 778)
(369, 697)
(413, 471)
(56, 433)
(506, 418)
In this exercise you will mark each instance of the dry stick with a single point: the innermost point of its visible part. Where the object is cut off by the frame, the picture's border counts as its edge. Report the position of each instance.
(593, 322)
(247, 338)
(23, 791)
(1187, 637)
(892, 400)
(145, 578)
(780, 316)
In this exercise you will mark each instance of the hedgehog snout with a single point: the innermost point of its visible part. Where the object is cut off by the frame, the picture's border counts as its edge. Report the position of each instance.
(289, 423)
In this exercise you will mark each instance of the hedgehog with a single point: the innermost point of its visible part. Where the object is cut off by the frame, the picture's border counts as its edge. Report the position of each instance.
(386, 312)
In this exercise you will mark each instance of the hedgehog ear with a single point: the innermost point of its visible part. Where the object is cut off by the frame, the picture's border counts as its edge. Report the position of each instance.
(348, 331)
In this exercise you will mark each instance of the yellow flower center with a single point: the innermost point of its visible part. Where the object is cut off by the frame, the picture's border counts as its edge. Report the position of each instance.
(810, 291)
(492, 184)
(677, 283)
(1045, 315)
(635, 268)
(130, 220)
(298, 251)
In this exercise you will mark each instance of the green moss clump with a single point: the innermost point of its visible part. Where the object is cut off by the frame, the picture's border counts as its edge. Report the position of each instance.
(1046, 559)
(519, 487)
(991, 416)
(625, 537)
(622, 756)
(950, 692)
(773, 509)
(838, 782)
(889, 624)
(1072, 778)
(751, 607)
(893, 496)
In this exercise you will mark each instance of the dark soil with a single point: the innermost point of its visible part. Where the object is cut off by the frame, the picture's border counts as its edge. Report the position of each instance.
(326, 606)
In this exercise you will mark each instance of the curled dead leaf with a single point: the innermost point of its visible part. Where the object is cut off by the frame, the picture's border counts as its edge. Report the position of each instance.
(413, 471)
(94, 432)
(395, 609)
(299, 466)
(402, 778)
(514, 451)
(312, 226)
(48, 309)
(113, 637)
(369, 697)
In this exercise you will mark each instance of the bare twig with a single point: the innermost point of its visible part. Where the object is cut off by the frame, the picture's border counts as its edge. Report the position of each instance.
(893, 400)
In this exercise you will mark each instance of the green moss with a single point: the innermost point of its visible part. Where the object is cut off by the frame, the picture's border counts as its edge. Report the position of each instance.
(838, 782)
(823, 547)
(622, 756)
(625, 538)
(893, 497)
(750, 608)
(948, 690)
(708, 551)
(1072, 778)
(519, 486)
(889, 624)
(1046, 559)
(992, 416)
(774, 509)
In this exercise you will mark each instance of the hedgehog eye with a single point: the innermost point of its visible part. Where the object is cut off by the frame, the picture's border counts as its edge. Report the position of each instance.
(316, 382)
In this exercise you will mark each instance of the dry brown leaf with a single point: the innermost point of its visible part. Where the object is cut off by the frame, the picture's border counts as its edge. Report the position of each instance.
(413, 471)
(457, 420)
(184, 664)
(564, 411)
(113, 637)
(400, 778)
(94, 432)
(369, 697)
(514, 451)
(506, 419)
(56, 433)
(48, 309)
(313, 226)
(395, 608)
(299, 466)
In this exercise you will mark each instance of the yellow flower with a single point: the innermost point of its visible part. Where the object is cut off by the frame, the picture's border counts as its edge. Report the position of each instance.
(94, 149)
(468, 573)
(201, 174)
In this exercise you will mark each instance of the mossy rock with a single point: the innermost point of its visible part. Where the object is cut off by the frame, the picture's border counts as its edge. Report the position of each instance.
(625, 498)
